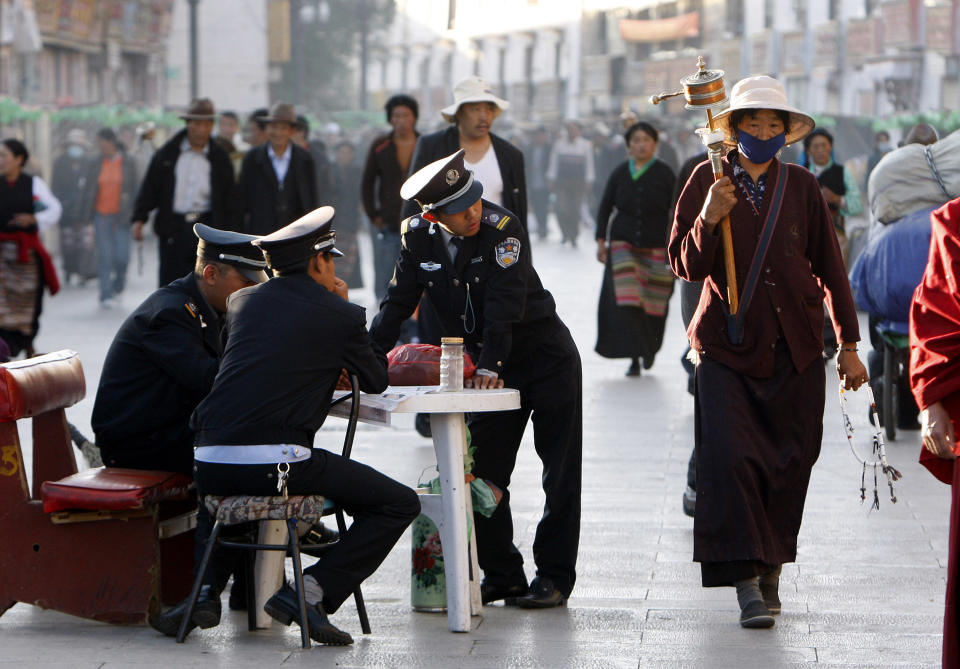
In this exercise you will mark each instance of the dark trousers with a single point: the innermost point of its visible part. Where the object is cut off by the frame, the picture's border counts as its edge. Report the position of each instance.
(381, 509)
(546, 370)
(569, 202)
(178, 252)
(540, 203)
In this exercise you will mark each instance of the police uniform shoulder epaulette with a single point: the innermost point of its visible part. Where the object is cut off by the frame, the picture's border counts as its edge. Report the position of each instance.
(192, 308)
(411, 223)
(496, 219)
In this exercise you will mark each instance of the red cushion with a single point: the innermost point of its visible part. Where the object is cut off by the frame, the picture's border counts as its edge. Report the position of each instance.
(36, 385)
(113, 489)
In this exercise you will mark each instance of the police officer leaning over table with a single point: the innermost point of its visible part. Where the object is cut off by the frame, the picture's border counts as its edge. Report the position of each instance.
(287, 341)
(466, 253)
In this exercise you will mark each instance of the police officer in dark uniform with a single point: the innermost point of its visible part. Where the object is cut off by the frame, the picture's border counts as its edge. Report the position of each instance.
(164, 357)
(467, 254)
(287, 341)
(161, 363)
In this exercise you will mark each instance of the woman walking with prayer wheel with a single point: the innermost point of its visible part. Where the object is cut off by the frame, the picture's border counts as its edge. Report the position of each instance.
(26, 207)
(760, 377)
(637, 282)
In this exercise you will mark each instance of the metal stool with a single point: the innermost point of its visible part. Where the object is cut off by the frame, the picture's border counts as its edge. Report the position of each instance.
(246, 508)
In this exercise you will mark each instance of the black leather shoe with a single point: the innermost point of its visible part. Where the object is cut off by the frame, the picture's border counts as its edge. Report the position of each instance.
(509, 594)
(284, 607)
(238, 593)
(543, 594)
(206, 614)
(318, 540)
(756, 615)
(633, 369)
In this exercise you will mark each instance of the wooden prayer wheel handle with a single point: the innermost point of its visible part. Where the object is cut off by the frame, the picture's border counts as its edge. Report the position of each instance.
(726, 236)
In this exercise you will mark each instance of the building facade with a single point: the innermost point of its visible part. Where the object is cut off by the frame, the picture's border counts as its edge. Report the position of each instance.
(85, 51)
(576, 58)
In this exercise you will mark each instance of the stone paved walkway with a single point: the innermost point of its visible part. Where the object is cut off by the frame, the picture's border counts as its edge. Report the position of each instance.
(867, 589)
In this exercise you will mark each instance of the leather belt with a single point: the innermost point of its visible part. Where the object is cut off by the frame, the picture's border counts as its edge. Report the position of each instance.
(252, 455)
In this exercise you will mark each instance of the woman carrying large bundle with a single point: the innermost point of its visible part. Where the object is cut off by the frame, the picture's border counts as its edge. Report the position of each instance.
(631, 243)
(760, 378)
(26, 207)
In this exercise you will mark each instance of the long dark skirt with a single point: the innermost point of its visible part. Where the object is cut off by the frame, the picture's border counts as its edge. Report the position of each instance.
(625, 332)
(756, 441)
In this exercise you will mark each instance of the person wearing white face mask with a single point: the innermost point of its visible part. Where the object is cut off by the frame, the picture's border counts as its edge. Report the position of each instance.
(759, 380)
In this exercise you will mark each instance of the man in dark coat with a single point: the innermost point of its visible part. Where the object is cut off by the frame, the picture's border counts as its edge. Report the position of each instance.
(76, 227)
(190, 180)
(289, 339)
(278, 182)
(471, 116)
(467, 255)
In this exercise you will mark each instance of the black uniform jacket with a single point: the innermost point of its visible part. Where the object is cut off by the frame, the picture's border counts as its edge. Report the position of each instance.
(488, 296)
(157, 188)
(161, 363)
(286, 342)
(510, 159)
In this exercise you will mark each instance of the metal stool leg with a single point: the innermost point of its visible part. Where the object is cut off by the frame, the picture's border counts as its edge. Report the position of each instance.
(249, 559)
(294, 540)
(357, 593)
(198, 582)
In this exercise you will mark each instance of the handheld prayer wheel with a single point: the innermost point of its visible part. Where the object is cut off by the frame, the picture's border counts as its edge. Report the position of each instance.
(704, 90)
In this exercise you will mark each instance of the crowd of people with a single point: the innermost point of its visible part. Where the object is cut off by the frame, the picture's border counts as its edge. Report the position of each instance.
(452, 235)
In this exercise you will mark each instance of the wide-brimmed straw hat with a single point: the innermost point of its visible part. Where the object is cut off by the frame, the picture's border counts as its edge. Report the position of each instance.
(472, 89)
(201, 109)
(282, 112)
(763, 92)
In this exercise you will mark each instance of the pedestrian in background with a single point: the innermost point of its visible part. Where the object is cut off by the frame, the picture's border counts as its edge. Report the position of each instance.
(321, 159)
(838, 184)
(111, 189)
(631, 244)
(538, 155)
(760, 377)
(347, 177)
(570, 176)
(143, 148)
(189, 181)
(278, 179)
(229, 139)
(495, 162)
(69, 184)
(27, 207)
(255, 130)
(881, 148)
(386, 167)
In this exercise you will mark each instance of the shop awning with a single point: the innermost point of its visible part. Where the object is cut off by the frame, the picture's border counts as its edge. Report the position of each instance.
(660, 30)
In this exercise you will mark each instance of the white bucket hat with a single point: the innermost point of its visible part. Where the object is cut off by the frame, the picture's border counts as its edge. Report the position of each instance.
(763, 92)
(472, 89)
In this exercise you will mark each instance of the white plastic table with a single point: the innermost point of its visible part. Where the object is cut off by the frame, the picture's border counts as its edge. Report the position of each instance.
(449, 512)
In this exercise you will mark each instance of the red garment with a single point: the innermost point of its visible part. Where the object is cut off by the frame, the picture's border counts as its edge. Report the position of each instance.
(30, 241)
(935, 377)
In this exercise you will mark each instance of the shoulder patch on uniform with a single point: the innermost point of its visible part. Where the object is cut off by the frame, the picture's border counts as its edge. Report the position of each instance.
(503, 222)
(507, 252)
(191, 308)
(409, 224)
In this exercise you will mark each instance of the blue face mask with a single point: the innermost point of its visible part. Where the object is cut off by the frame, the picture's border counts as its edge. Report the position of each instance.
(759, 151)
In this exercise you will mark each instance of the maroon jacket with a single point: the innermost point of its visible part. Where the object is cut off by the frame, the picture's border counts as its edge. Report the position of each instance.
(803, 265)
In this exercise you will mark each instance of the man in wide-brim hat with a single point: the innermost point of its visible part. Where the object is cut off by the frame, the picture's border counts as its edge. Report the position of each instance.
(278, 181)
(760, 376)
(497, 163)
(189, 180)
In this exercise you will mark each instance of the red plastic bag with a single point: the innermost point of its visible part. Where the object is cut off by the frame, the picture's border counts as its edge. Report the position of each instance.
(419, 365)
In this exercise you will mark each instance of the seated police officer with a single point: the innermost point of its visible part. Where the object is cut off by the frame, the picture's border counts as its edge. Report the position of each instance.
(161, 363)
(466, 253)
(164, 358)
(287, 341)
